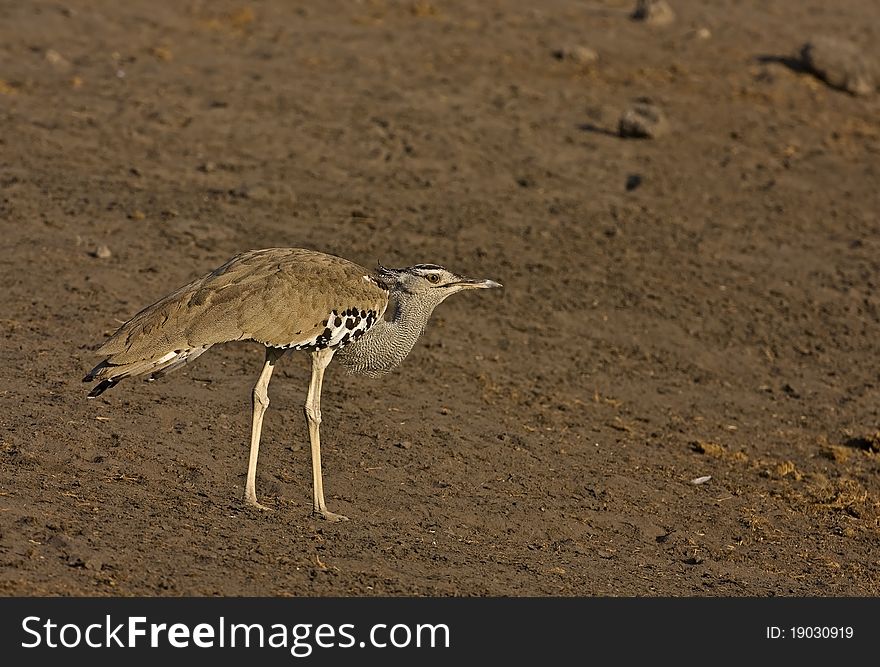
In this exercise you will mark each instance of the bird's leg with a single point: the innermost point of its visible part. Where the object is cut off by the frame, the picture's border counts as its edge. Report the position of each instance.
(261, 402)
(320, 359)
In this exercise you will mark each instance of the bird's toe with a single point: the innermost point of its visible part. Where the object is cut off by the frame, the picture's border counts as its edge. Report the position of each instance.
(253, 504)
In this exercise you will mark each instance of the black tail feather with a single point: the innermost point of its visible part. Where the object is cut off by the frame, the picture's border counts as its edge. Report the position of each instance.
(101, 387)
(97, 370)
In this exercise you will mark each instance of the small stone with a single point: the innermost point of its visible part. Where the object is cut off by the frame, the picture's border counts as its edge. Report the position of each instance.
(87, 562)
(790, 391)
(580, 55)
(56, 59)
(709, 448)
(643, 121)
(703, 33)
(837, 453)
(255, 191)
(102, 252)
(840, 64)
(653, 12)
(162, 53)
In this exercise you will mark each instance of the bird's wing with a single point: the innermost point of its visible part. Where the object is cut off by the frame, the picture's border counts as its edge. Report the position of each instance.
(279, 296)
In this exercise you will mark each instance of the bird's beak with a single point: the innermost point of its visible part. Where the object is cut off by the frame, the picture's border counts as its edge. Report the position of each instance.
(471, 283)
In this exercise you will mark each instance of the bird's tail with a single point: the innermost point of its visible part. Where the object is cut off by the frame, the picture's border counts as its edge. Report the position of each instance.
(101, 387)
(110, 374)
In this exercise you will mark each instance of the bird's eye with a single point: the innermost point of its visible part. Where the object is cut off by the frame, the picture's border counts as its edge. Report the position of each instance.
(434, 278)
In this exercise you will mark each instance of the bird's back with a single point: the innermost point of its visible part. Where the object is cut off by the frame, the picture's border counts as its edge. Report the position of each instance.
(281, 297)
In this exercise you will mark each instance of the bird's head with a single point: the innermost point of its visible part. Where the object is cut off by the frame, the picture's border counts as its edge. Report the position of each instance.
(429, 282)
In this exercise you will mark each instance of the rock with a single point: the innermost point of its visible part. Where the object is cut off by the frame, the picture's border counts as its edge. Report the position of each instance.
(580, 55)
(162, 53)
(102, 252)
(653, 12)
(643, 121)
(57, 60)
(841, 64)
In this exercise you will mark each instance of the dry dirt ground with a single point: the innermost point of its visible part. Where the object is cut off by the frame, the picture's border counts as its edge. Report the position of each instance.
(718, 318)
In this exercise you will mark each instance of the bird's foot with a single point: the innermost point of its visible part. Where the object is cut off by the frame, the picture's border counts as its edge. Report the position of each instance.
(252, 502)
(327, 515)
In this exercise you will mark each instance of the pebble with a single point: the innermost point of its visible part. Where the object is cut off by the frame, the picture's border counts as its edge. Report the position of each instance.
(653, 12)
(102, 252)
(841, 64)
(643, 121)
(580, 55)
(162, 53)
(57, 60)
(255, 191)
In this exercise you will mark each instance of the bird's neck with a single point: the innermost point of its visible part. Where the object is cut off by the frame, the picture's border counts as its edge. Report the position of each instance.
(388, 342)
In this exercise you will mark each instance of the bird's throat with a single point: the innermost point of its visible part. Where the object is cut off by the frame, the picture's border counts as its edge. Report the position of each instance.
(388, 342)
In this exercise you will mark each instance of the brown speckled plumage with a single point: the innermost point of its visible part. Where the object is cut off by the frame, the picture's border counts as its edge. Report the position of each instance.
(280, 297)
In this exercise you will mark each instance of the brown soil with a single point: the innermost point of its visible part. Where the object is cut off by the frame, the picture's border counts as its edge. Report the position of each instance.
(718, 318)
